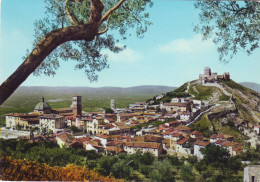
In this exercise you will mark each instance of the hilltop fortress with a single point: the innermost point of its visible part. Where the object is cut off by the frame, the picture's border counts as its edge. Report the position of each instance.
(209, 77)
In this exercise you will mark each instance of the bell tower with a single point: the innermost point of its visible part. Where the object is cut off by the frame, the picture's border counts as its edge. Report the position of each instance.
(76, 105)
(113, 104)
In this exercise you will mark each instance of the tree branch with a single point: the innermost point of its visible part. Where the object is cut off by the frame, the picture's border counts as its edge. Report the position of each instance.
(71, 16)
(107, 26)
(47, 44)
(96, 11)
(109, 12)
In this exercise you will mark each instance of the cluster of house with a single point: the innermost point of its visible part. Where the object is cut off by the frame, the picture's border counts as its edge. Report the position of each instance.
(209, 77)
(112, 133)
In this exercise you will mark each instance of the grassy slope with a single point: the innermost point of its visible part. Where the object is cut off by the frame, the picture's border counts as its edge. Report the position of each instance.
(203, 122)
(204, 92)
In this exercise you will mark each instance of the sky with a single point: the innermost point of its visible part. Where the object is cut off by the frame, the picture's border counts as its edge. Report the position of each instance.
(170, 53)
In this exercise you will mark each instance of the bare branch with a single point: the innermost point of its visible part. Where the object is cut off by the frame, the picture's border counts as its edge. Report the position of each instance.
(71, 16)
(107, 26)
(96, 11)
(109, 12)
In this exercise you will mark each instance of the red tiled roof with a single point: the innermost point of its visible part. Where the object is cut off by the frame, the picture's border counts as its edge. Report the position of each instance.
(143, 144)
(184, 128)
(224, 136)
(63, 136)
(83, 139)
(184, 113)
(194, 132)
(220, 141)
(110, 119)
(173, 122)
(103, 136)
(183, 140)
(214, 136)
(164, 126)
(176, 104)
(201, 143)
(114, 143)
(114, 149)
(177, 135)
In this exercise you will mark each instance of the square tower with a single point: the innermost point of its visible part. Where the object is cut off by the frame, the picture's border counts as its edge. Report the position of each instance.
(207, 71)
(76, 105)
(113, 104)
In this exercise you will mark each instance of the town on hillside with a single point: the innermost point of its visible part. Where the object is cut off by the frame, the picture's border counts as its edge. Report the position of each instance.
(154, 126)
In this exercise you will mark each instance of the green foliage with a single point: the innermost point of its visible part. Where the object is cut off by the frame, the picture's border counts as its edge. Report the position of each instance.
(187, 172)
(46, 152)
(250, 155)
(234, 165)
(75, 129)
(200, 166)
(179, 92)
(204, 92)
(232, 25)
(139, 166)
(234, 85)
(174, 160)
(148, 158)
(182, 88)
(203, 125)
(105, 164)
(108, 110)
(224, 98)
(162, 171)
(192, 160)
(121, 170)
(214, 154)
(88, 54)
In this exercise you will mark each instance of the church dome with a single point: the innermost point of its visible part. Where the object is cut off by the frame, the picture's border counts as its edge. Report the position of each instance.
(42, 107)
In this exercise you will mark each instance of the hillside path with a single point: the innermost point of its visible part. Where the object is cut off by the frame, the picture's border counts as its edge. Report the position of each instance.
(218, 86)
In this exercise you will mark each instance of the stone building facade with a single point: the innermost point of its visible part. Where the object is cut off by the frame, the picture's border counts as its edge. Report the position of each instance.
(252, 173)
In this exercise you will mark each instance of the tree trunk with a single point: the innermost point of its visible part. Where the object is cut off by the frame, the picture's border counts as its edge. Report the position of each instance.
(47, 44)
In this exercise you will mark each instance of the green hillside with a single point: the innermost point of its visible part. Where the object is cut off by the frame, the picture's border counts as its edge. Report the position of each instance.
(238, 108)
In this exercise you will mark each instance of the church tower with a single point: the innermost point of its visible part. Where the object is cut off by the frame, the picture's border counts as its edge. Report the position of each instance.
(113, 104)
(76, 105)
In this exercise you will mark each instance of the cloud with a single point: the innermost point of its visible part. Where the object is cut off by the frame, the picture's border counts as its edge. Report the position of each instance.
(183, 46)
(127, 55)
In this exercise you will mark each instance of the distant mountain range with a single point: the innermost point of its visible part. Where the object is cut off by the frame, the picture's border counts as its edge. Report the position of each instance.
(251, 85)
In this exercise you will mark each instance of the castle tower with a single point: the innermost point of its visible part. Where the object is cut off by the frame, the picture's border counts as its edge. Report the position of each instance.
(113, 104)
(76, 105)
(207, 71)
(226, 76)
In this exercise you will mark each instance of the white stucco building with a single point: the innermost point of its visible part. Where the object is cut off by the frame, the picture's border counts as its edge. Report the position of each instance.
(197, 146)
(154, 148)
(51, 122)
